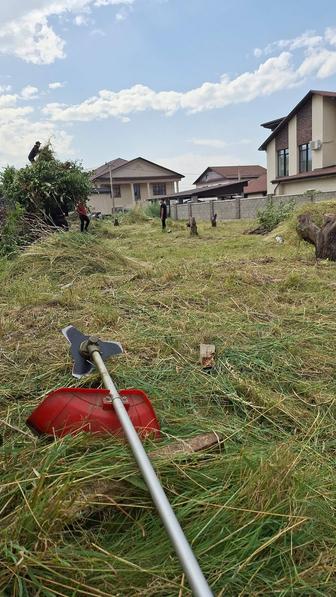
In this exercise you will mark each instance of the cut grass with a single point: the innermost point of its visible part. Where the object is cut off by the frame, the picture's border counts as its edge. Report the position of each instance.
(259, 512)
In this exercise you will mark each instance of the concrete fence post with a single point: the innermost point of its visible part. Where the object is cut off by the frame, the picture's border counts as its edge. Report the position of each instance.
(212, 209)
(189, 210)
(237, 208)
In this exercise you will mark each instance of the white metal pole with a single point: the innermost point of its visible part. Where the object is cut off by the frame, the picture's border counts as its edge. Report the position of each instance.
(184, 552)
(112, 193)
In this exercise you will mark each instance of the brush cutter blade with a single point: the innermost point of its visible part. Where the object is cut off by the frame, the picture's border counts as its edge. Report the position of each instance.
(81, 365)
(72, 410)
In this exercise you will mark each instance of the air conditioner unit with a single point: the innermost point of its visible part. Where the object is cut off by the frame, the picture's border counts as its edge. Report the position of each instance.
(316, 144)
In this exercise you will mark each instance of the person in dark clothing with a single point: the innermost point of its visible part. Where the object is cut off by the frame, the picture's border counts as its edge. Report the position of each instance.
(34, 152)
(83, 216)
(163, 213)
(56, 213)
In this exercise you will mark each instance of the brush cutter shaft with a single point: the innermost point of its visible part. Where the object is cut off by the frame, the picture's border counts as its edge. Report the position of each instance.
(185, 554)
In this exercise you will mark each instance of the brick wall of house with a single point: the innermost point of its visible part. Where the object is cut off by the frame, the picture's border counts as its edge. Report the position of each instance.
(304, 123)
(281, 140)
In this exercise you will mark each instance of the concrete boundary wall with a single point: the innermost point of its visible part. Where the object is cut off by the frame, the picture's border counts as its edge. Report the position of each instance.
(241, 208)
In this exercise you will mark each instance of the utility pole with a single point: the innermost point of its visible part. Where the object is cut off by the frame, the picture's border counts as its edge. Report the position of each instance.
(111, 191)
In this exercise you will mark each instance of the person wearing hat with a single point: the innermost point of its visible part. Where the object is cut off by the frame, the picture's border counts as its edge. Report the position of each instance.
(34, 152)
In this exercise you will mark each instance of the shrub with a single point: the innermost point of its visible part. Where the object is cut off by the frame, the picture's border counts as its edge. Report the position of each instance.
(273, 214)
(11, 231)
(46, 184)
(152, 210)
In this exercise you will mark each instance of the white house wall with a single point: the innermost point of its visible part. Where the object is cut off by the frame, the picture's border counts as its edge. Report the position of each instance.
(329, 132)
(140, 168)
(317, 129)
(271, 166)
(296, 187)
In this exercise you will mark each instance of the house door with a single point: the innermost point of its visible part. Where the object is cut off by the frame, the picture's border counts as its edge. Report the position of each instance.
(137, 192)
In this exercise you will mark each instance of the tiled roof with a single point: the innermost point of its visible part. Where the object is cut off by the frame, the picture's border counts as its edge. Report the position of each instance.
(236, 172)
(105, 168)
(257, 185)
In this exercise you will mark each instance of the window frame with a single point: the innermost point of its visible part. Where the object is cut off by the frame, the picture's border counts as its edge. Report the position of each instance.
(156, 192)
(305, 157)
(116, 190)
(283, 168)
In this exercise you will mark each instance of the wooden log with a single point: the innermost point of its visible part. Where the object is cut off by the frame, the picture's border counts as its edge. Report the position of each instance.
(324, 238)
(207, 355)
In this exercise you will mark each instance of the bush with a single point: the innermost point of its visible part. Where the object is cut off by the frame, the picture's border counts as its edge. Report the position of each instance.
(38, 196)
(273, 214)
(46, 185)
(11, 231)
(135, 216)
(152, 210)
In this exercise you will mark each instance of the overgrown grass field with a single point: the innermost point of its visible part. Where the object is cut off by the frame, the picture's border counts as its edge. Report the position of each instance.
(259, 508)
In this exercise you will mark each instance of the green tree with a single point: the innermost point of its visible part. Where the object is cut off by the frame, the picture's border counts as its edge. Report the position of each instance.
(45, 185)
(43, 192)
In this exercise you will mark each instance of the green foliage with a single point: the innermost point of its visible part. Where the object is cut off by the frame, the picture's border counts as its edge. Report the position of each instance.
(45, 184)
(273, 214)
(11, 231)
(152, 210)
(135, 216)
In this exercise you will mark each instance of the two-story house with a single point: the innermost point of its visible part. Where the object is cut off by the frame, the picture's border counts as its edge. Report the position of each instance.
(122, 184)
(301, 149)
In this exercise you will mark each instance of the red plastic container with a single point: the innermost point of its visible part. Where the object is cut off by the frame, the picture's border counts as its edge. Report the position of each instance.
(72, 410)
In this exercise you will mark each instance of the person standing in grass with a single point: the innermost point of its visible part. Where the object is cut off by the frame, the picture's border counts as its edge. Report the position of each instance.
(163, 213)
(82, 211)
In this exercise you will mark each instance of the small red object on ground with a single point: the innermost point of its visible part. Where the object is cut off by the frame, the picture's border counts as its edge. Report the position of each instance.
(72, 410)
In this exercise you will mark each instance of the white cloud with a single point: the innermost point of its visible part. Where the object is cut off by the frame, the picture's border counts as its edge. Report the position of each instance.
(309, 39)
(272, 75)
(26, 32)
(56, 85)
(216, 143)
(308, 55)
(330, 36)
(81, 20)
(29, 92)
(18, 132)
(97, 33)
(321, 63)
(5, 88)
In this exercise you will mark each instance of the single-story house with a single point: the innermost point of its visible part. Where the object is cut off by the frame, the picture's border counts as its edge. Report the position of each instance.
(121, 184)
(224, 190)
(223, 174)
(301, 148)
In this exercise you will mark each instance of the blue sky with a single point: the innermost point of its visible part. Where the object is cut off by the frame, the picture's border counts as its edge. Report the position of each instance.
(185, 83)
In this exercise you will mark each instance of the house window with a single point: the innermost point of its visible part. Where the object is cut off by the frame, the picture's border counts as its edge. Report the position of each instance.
(305, 157)
(159, 189)
(283, 162)
(116, 190)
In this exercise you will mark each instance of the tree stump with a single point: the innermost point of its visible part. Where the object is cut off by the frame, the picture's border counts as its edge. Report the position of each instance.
(324, 238)
(214, 220)
(193, 227)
